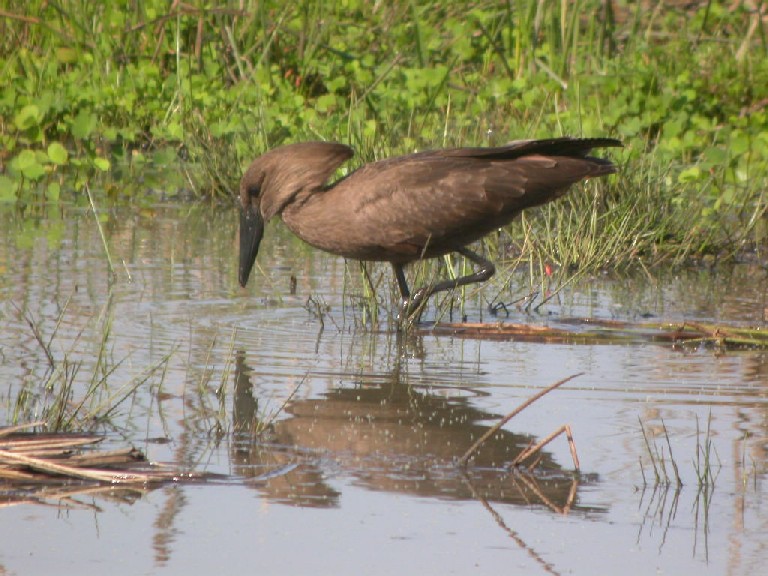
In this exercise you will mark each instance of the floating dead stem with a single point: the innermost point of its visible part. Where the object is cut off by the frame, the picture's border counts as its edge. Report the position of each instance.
(43, 459)
(591, 331)
(531, 450)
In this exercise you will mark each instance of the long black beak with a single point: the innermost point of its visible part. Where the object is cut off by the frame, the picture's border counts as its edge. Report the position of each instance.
(251, 232)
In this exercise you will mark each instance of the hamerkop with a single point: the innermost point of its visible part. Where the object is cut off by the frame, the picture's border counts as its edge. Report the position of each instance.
(410, 207)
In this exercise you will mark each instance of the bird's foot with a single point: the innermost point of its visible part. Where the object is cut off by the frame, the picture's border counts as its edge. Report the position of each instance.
(404, 320)
(411, 309)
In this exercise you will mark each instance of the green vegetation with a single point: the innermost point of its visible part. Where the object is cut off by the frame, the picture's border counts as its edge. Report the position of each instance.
(109, 92)
(66, 399)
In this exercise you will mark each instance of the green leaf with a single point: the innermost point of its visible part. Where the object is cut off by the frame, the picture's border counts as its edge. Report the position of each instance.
(326, 102)
(715, 156)
(35, 172)
(57, 153)
(101, 163)
(30, 164)
(66, 55)
(630, 127)
(8, 189)
(24, 160)
(164, 156)
(109, 133)
(83, 125)
(174, 131)
(28, 117)
(689, 174)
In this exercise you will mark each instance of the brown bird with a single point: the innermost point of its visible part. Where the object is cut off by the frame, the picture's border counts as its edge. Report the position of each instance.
(410, 207)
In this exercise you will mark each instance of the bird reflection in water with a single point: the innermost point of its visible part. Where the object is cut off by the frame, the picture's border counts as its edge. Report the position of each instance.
(388, 435)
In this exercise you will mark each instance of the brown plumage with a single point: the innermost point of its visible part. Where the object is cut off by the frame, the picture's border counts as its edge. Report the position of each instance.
(410, 207)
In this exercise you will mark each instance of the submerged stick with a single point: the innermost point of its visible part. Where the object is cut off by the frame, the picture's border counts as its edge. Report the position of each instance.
(472, 449)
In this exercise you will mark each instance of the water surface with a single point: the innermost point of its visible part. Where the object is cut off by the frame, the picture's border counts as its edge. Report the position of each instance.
(355, 469)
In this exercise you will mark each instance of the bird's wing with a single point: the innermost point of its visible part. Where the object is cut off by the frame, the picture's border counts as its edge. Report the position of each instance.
(434, 197)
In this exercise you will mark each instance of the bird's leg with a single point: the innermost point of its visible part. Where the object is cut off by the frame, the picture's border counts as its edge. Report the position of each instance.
(405, 294)
(412, 304)
(486, 270)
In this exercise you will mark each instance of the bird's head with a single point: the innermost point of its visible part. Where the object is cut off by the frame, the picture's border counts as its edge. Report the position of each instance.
(276, 179)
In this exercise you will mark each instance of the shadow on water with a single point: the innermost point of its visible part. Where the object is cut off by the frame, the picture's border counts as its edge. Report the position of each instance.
(390, 436)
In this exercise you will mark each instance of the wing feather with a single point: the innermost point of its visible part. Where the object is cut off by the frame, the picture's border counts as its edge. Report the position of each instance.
(435, 202)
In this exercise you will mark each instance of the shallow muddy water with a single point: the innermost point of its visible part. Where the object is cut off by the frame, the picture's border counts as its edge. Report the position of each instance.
(355, 471)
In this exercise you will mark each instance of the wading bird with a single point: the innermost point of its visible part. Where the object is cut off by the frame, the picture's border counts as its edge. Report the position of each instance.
(409, 207)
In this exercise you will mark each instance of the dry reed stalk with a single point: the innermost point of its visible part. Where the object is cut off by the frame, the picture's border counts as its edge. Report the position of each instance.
(592, 330)
(42, 459)
(8, 430)
(530, 451)
(472, 449)
(44, 465)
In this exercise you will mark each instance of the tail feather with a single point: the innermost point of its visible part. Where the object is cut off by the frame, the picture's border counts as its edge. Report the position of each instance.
(574, 147)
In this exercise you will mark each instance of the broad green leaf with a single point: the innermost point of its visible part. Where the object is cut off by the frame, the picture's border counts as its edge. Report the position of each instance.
(24, 160)
(27, 117)
(164, 156)
(34, 172)
(101, 163)
(715, 156)
(66, 55)
(326, 102)
(83, 125)
(57, 153)
(689, 174)
(174, 131)
(7, 189)
(30, 164)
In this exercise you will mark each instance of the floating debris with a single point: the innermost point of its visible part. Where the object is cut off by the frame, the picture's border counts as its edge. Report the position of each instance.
(591, 331)
(30, 459)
